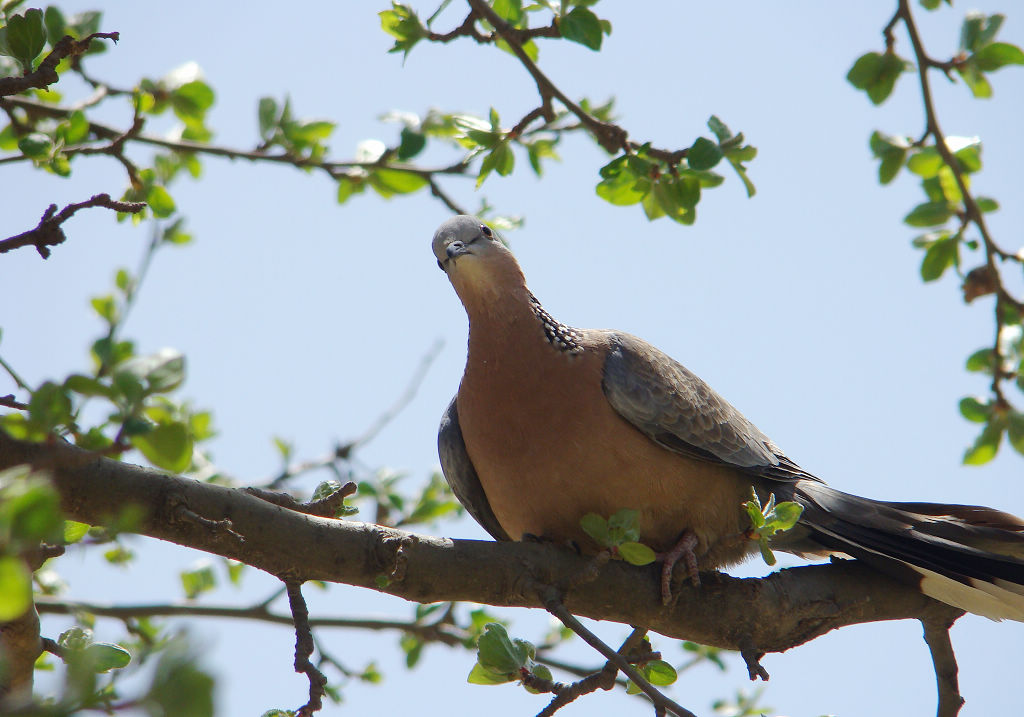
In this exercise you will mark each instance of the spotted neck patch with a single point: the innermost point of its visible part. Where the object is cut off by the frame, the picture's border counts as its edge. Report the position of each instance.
(562, 337)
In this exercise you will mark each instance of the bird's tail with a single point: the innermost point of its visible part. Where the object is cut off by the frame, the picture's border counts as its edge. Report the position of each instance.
(963, 555)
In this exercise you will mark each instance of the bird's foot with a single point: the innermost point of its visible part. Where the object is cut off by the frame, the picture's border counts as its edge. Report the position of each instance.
(682, 550)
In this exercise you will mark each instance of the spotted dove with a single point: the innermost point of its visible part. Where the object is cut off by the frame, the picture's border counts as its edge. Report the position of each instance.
(551, 423)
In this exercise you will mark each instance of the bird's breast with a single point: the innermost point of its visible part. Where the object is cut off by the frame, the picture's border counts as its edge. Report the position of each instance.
(549, 448)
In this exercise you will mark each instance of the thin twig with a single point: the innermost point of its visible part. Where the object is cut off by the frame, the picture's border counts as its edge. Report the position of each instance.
(972, 211)
(936, 634)
(9, 401)
(334, 168)
(553, 604)
(46, 74)
(326, 507)
(443, 632)
(344, 451)
(610, 136)
(49, 232)
(303, 650)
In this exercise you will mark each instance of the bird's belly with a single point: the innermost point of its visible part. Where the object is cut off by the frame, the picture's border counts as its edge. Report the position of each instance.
(546, 462)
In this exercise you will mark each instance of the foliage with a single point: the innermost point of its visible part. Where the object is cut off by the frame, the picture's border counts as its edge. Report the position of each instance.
(123, 403)
(952, 215)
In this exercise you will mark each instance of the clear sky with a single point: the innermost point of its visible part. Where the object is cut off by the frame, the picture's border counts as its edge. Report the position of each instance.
(303, 319)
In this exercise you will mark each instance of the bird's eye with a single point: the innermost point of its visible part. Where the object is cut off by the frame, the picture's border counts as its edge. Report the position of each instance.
(487, 231)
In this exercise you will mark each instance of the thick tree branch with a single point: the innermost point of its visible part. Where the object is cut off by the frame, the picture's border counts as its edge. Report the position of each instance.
(772, 614)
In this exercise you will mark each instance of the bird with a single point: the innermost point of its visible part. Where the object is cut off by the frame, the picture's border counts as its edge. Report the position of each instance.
(551, 423)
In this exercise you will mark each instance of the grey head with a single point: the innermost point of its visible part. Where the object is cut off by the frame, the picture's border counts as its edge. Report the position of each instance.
(461, 235)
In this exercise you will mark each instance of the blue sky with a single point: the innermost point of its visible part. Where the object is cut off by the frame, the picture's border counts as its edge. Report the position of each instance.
(300, 318)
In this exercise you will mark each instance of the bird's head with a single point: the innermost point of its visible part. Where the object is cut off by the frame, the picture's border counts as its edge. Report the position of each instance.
(476, 261)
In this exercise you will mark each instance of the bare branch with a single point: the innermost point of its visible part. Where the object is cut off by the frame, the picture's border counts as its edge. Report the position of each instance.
(49, 232)
(9, 401)
(46, 74)
(344, 450)
(303, 649)
(553, 604)
(936, 634)
(772, 614)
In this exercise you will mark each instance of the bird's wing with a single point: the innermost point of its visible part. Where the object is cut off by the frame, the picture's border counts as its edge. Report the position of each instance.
(676, 409)
(461, 475)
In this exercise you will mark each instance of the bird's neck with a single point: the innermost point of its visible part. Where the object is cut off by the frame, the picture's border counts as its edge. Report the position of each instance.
(516, 325)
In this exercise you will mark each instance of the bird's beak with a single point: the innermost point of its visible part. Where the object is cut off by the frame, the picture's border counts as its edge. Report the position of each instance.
(453, 251)
(456, 249)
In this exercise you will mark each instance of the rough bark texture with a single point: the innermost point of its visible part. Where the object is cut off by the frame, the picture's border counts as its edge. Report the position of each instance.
(771, 614)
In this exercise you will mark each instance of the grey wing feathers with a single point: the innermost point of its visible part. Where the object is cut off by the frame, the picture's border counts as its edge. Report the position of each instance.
(461, 475)
(676, 409)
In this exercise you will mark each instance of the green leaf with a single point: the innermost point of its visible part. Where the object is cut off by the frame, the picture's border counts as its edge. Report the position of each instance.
(74, 531)
(15, 588)
(582, 26)
(637, 553)
(412, 143)
(159, 372)
(402, 24)
(980, 87)
(179, 687)
(500, 654)
(660, 673)
(940, 256)
(979, 30)
(235, 570)
(703, 154)
(987, 204)
(55, 24)
(191, 100)
(1015, 430)
(104, 657)
(623, 189)
(268, 116)
(168, 446)
(36, 145)
(876, 74)
(722, 132)
(24, 37)
(106, 307)
(30, 512)
(160, 201)
(892, 152)
(975, 409)
(500, 159)
(998, 54)
(981, 361)
(481, 675)
(509, 10)
(930, 214)
(76, 128)
(596, 527)
(389, 182)
(198, 580)
(786, 516)
(623, 525)
(986, 445)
